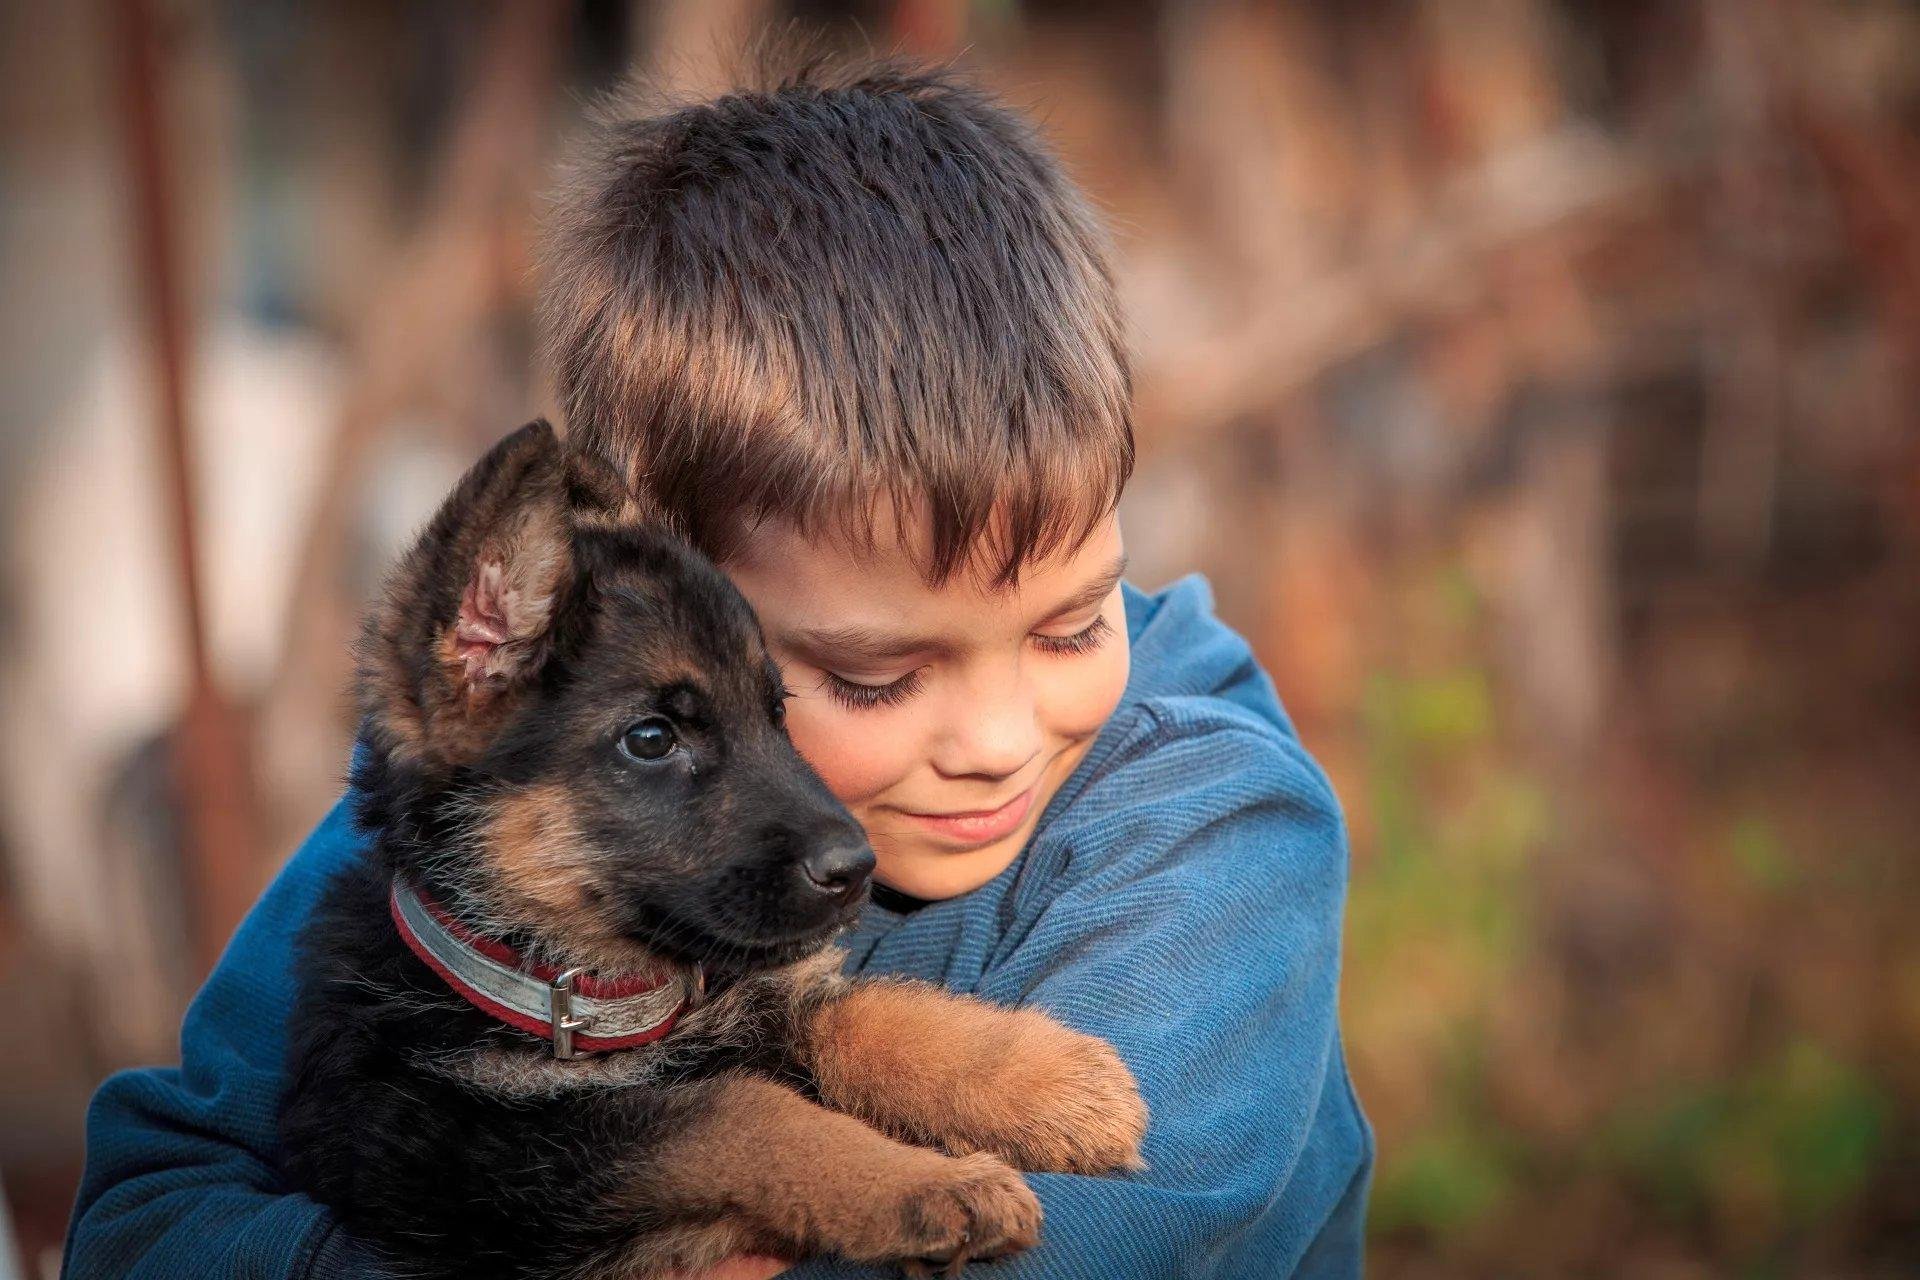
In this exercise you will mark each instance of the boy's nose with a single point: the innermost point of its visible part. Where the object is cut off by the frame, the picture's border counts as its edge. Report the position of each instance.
(993, 736)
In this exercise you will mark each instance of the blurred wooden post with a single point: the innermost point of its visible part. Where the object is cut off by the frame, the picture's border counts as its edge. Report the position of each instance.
(210, 764)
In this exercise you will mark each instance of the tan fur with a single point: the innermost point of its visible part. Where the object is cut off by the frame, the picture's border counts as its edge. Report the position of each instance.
(929, 1066)
(538, 854)
(685, 1252)
(799, 1179)
(539, 861)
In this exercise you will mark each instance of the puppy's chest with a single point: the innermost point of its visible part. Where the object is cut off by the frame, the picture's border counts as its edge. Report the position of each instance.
(720, 1033)
(516, 1072)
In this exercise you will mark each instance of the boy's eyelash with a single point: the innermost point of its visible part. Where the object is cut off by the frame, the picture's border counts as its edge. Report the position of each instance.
(860, 697)
(1079, 642)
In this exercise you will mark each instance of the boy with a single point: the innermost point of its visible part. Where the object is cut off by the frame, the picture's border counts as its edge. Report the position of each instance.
(857, 337)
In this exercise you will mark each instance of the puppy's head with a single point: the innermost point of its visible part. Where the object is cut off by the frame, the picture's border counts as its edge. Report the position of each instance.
(577, 732)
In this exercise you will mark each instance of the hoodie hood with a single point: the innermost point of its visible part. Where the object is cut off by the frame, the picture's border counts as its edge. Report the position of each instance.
(1182, 650)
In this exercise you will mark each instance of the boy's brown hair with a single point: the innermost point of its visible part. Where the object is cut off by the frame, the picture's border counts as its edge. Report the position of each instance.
(852, 281)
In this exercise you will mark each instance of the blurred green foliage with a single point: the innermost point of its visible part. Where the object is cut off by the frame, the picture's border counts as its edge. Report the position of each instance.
(1712, 1108)
(1791, 1138)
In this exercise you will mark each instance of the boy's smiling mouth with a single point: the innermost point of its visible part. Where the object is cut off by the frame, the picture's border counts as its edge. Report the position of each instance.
(977, 827)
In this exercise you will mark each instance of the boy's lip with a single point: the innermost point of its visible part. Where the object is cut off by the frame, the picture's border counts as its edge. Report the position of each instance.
(979, 826)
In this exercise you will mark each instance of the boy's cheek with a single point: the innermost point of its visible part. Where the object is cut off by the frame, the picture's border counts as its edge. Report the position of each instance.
(856, 762)
(1080, 695)
(1088, 698)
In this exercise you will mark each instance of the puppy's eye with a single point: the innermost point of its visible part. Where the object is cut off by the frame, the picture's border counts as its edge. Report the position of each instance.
(649, 739)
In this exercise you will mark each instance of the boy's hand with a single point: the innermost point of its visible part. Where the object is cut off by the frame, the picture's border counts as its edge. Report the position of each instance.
(958, 1073)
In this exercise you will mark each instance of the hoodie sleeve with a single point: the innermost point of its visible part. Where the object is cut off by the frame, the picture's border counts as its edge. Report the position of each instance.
(180, 1182)
(1200, 935)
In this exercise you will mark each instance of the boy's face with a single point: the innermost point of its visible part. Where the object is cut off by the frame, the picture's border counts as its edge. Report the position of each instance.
(944, 718)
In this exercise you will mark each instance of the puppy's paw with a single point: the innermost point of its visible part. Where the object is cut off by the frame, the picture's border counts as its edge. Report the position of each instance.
(973, 1207)
(1099, 1119)
(1072, 1107)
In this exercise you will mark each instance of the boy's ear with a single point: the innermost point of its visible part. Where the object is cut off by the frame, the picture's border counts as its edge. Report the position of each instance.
(469, 615)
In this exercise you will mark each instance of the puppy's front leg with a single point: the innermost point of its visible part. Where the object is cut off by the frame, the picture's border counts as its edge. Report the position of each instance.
(932, 1067)
(761, 1169)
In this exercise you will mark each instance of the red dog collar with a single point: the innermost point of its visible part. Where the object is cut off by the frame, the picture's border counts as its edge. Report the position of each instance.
(575, 1010)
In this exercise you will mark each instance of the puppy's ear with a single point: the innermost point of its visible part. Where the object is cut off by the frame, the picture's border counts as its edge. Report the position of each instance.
(469, 615)
(598, 496)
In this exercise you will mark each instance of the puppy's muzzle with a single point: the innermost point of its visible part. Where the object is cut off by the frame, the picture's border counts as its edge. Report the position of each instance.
(839, 870)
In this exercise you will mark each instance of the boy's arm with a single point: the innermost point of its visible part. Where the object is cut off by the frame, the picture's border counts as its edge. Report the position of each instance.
(180, 1180)
(1201, 938)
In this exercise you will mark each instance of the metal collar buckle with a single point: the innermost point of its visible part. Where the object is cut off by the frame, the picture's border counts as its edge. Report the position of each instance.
(560, 1013)
(562, 1024)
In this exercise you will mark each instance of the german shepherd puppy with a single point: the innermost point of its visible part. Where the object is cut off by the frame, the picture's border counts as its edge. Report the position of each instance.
(578, 1014)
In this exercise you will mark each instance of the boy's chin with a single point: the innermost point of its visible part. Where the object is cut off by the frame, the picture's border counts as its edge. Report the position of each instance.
(927, 870)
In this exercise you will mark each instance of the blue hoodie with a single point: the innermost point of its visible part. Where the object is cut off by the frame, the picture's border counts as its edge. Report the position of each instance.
(1181, 897)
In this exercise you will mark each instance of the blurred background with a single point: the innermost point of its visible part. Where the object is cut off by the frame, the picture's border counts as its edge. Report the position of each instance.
(1538, 381)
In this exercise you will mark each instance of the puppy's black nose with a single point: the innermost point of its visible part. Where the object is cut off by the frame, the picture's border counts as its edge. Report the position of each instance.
(840, 868)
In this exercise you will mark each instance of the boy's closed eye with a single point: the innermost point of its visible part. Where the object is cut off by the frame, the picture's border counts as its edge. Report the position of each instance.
(1084, 640)
(859, 691)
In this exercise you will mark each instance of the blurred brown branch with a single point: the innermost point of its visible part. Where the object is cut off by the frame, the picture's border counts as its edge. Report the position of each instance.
(211, 761)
